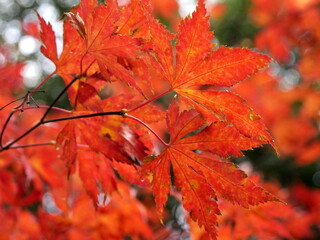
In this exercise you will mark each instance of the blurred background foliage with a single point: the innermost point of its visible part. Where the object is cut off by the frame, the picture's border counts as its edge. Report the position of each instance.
(19, 35)
(234, 27)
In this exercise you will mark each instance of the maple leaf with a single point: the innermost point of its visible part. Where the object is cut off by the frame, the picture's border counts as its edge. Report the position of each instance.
(91, 34)
(49, 47)
(107, 137)
(69, 62)
(96, 25)
(132, 21)
(270, 220)
(198, 64)
(112, 136)
(201, 176)
(67, 139)
(96, 172)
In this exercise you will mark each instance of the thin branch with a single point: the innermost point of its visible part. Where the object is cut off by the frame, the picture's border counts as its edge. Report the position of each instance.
(33, 145)
(27, 99)
(21, 136)
(64, 90)
(120, 113)
(21, 110)
(42, 82)
(12, 102)
(34, 101)
(41, 121)
(43, 107)
(148, 127)
(58, 97)
(4, 127)
(149, 101)
(43, 117)
(8, 146)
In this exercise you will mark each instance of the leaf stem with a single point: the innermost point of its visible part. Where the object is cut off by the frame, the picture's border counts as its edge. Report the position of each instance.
(148, 127)
(42, 82)
(4, 127)
(81, 60)
(43, 144)
(149, 101)
(83, 116)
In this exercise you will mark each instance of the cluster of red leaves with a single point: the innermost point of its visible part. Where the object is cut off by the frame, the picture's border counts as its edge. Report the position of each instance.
(293, 22)
(290, 109)
(269, 221)
(118, 60)
(291, 115)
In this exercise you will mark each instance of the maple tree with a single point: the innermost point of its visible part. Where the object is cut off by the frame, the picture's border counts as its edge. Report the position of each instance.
(118, 146)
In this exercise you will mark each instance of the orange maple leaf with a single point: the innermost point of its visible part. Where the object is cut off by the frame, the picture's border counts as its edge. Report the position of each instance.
(73, 48)
(200, 176)
(96, 25)
(194, 63)
(91, 34)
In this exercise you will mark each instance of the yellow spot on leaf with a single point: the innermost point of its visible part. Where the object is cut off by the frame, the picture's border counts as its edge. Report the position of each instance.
(106, 132)
(251, 116)
(194, 184)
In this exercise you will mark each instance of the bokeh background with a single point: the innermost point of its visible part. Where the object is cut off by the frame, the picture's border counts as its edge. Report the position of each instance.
(287, 95)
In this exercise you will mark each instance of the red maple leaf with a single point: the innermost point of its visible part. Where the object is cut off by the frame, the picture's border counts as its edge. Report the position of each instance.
(194, 63)
(200, 176)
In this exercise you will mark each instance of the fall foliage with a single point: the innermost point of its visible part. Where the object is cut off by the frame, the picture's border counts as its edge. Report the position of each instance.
(157, 122)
